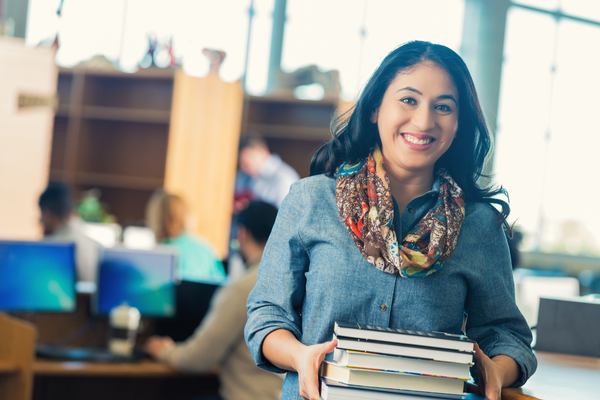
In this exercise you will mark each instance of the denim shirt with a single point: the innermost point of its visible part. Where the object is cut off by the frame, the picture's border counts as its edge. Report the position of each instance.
(312, 274)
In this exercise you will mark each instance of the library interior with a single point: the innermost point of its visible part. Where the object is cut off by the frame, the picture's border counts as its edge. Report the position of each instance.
(171, 174)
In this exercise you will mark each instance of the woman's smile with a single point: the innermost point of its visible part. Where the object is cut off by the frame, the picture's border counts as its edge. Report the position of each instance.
(418, 141)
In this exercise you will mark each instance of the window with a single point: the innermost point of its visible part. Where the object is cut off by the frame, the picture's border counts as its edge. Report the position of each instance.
(353, 37)
(120, 30)
(548, 135)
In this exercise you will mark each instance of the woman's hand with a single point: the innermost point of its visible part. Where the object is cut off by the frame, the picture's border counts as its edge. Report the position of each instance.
(156, 345)
(494, 374)
(307, 364)
(283, 350)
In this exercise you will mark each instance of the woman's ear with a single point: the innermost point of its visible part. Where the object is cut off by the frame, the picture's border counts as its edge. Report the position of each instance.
(374, 116)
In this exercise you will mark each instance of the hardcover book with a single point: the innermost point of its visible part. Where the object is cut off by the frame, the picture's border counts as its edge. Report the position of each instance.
(332, 390)
(393, 380)
(395, 349)
(359, 359)
(404, 336)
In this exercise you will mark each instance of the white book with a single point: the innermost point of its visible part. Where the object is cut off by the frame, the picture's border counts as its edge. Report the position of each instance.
(440, 340)
(390, 380)
(395, 349)
(358, 359)
(331, 390)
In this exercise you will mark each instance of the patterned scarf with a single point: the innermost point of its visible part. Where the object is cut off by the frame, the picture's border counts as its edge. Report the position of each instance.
(365, 204)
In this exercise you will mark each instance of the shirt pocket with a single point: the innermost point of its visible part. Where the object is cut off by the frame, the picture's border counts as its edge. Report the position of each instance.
(440, 290)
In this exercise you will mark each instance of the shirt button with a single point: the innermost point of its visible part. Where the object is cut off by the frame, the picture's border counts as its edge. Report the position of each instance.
(410, 210)
(383, 307)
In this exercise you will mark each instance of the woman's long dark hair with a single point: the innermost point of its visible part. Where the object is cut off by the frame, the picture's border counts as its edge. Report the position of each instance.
(355, 136)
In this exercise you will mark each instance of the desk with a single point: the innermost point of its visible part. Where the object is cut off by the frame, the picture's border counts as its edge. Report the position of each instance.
(560, 377)
(146, 380)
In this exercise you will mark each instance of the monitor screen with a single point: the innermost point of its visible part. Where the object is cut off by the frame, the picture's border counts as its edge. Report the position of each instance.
(37, 276)
(142, 279)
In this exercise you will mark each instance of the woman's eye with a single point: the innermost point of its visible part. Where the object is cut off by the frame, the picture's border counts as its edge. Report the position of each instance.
(443, 108)
(409, 100)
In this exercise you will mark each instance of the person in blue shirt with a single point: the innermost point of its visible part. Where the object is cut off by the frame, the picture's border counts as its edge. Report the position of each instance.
(166, 216)
(394, 229)
(262, 175)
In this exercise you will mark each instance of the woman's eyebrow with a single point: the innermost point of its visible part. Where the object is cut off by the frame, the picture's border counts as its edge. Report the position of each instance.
(449, 97)
(409, 88)
(442, 97)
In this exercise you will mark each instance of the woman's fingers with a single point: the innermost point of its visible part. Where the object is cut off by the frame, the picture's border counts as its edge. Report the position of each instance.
(489, 383)
(309, 378)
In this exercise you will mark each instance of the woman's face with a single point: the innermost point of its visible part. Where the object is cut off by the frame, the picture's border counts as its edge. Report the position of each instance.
(417, 119)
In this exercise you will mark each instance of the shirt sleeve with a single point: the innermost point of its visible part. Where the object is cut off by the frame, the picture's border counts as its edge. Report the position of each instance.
(220, 330)
(276, 300)
(493, 319)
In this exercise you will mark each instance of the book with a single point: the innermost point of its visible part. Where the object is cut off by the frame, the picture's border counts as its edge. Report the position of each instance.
(392, 380)
(359, 359)
(387, 348)
(332, 390)
(405, 336)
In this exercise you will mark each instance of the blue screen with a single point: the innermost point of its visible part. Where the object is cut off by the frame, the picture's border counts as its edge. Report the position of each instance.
(37, 276)
(142, 279)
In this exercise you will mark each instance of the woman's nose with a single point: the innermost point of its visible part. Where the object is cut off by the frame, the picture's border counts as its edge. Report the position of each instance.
(424, 118)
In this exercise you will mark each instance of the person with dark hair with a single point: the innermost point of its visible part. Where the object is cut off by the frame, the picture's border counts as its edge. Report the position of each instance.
(60, 224)
(262, 175)
(219, 340)
(392, 228)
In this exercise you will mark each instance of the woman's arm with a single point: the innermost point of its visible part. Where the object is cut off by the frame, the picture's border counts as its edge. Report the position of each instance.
(494, 320)
(282, 349)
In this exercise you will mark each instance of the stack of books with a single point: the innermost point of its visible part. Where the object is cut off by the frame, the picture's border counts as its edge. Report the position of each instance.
(376, 363)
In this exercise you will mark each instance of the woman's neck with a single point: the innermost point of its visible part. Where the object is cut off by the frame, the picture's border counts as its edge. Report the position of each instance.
(405, 187)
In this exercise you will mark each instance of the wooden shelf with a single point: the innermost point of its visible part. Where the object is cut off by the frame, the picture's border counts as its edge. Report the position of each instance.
(126, 114)
(153, 73)
(118, 181)
(8, 367)
(111, 180)
(292, 100)
(290, 132)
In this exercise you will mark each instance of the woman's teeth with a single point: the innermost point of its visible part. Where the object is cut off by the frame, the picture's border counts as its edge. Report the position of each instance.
(414, 140)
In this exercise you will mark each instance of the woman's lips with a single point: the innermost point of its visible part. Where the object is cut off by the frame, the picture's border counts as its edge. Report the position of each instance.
(418, 141)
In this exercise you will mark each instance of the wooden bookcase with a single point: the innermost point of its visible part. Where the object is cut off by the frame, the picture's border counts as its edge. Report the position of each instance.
(111, 132)
(294, 129)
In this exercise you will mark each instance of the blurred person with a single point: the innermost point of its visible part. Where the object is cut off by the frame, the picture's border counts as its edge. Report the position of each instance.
(219, 340)
(61, 224)
(262, 175)
(166, 216)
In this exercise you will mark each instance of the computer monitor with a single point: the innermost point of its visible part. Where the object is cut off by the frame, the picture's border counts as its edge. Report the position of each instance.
(140, 278)
(37, 276)
(193, 302)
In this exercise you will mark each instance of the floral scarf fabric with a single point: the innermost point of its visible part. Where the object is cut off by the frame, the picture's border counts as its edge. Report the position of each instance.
(366, 207)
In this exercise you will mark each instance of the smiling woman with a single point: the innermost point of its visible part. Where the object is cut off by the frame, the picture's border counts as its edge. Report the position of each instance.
(417, 122)
(391, 225)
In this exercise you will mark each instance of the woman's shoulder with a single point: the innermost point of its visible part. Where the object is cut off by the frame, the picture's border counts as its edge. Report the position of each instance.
(481, 218)
(311, 188)
(320, 181)
(310, 196)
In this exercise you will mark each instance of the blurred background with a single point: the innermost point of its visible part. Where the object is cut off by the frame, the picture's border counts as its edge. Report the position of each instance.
(298, 61)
